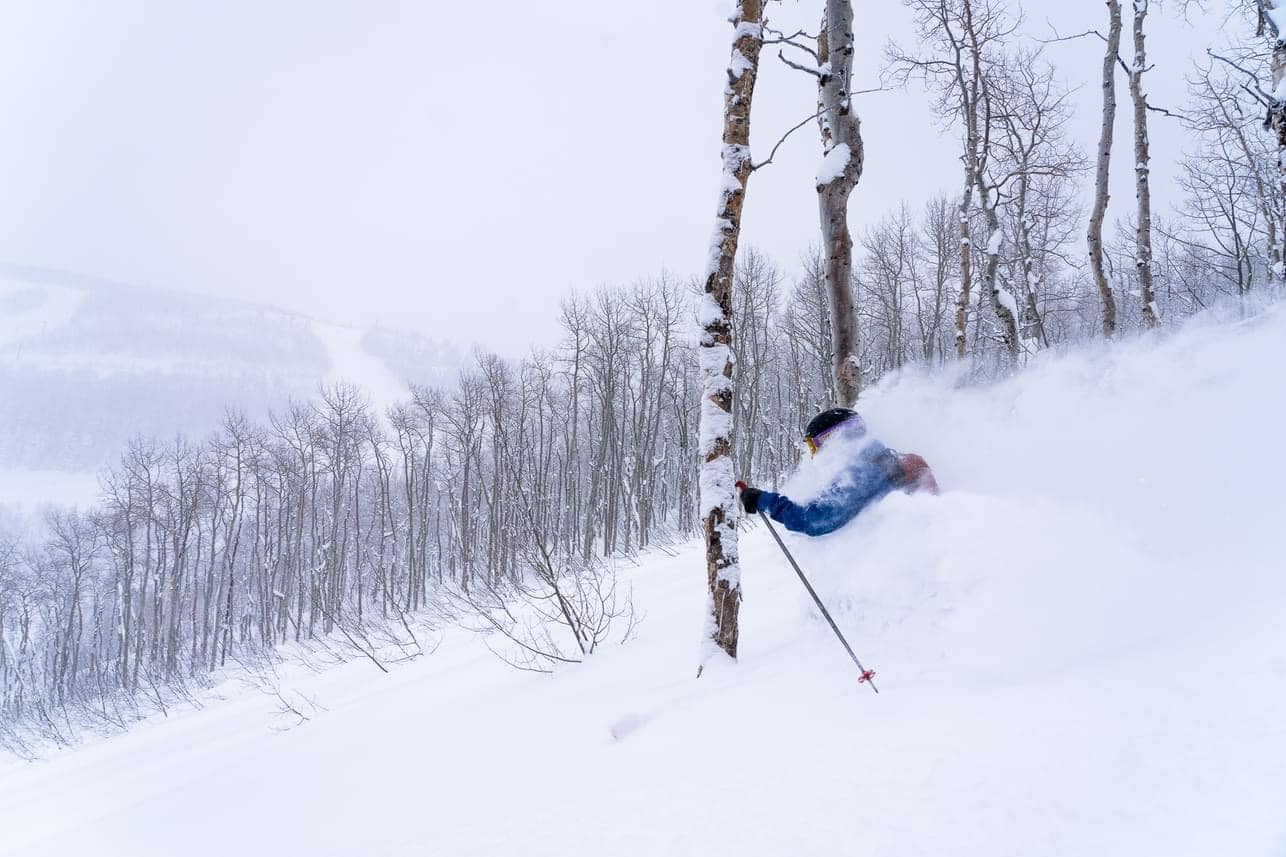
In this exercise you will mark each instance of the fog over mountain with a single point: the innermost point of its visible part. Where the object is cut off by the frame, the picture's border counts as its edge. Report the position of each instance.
(86, 364)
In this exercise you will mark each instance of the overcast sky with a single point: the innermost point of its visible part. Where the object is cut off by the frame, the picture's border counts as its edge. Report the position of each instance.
(454, 168)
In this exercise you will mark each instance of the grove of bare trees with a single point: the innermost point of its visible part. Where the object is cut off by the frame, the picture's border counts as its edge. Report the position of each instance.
(506, 496)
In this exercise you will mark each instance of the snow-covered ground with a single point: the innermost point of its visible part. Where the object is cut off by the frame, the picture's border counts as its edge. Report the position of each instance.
(351, 363)
(1079, 648)
(31, 310)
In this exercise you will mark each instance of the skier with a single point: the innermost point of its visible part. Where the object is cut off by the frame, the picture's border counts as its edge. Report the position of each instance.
(868, 471)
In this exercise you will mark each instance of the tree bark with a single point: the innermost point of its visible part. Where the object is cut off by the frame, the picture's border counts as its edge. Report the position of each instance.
(966, 261)
(1277, 107)
(718, 494)
(1142, 188)
(969, 97)
(841, 171)
(1032, 325)
(1095, 237)
(1006, 312)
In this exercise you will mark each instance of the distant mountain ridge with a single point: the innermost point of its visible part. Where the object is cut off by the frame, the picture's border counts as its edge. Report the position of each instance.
(86, 363)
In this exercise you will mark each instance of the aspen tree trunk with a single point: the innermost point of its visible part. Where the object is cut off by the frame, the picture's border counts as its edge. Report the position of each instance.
(1142, 189)
(1006, 312)
(966, 261)
(718, 494)
(1095, 237)
(840, 173)
(969, 109)
(1032, 325)
(1273, 12)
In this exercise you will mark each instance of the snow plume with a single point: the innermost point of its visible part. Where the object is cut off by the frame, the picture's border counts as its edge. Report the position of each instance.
(818, 473)
(1133, 441)
(1120, 499)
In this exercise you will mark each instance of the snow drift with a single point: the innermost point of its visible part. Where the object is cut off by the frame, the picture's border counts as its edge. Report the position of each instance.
(1079, 649)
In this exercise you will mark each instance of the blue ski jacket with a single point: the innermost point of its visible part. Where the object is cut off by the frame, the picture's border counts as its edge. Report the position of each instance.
(868, 477)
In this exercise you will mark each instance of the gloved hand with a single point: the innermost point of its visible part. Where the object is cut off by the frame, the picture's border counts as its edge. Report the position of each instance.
(749, 498)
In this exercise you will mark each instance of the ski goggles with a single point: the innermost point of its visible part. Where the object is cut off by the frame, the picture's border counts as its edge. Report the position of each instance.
(815, 443)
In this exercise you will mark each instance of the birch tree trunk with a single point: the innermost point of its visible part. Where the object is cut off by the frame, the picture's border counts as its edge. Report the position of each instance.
(968, 81)
(718, 492)
(1273, 12)
(1004, 306)
(966, 261)
(1142, 188)
(1101, 195)
(1001, 301)
(840, 172)
(1032, 325)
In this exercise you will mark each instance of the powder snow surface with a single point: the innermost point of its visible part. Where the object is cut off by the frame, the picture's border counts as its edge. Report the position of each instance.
(1079, 648)
(352, 363)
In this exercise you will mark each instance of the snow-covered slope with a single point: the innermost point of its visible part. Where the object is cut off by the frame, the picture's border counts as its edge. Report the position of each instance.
(86, 365)
(1079, 648)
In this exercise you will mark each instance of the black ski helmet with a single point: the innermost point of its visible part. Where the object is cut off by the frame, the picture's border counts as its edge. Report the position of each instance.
(828, 419)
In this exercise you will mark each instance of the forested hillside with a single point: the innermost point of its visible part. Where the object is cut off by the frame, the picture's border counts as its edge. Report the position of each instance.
(330, 573)
(1076, 644)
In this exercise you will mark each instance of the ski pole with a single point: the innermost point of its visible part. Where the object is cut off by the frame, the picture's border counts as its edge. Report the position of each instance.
(868, 676)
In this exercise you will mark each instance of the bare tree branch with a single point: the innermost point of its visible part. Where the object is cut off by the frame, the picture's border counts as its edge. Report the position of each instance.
(784, 138)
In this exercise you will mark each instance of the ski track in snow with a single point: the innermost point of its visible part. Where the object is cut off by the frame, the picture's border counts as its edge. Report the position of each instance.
(350, 362)
(1079, 650)
(56, 307)
(23, 489)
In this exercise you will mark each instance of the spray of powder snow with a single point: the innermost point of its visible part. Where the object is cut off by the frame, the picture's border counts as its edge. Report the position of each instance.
(825, 471)
(1093, 503)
